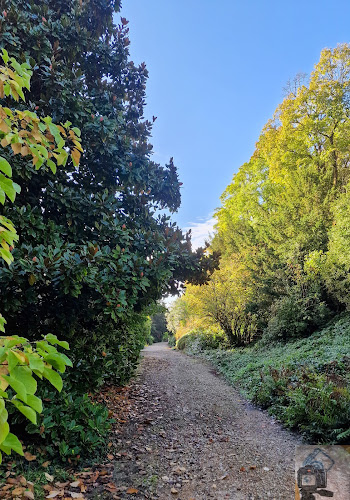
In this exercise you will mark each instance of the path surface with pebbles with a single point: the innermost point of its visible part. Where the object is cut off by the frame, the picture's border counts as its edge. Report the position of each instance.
(189, 435)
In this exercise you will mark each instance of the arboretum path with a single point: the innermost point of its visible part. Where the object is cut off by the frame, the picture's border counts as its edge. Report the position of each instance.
(189, 435)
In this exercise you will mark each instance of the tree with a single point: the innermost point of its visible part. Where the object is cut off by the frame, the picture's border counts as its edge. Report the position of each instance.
(98, 249)
(279, 211)
(159, 326)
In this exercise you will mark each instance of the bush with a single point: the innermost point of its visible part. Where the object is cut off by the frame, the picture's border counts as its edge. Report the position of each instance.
(314, 403)
(171, 341)
(200, 340)
(295, 316)
(71, 427)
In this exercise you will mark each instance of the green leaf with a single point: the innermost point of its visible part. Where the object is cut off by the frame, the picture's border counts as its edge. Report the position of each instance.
(5, 56)
(76, 130)
(54, 378)
(14, 340)
(24, 375)
(35, 362)
(13, 443)
(7, 186)
(7, 256)
(17, 386)
(56, 361)
(5, 167)
(4, 430)
(5, 449)
(52, 165)
(44, 346)
(25, 410)
(54, 340)
(12, 360)
(35, 403)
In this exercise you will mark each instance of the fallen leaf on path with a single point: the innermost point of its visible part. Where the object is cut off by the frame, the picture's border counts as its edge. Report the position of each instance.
(76, 484)
(53, 494)
(132, 491)
(17, 491)
(28, 494)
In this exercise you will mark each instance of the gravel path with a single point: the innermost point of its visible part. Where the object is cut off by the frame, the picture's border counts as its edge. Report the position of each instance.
(189, 435)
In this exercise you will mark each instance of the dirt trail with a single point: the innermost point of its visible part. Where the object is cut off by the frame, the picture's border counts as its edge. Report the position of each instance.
(189, 435)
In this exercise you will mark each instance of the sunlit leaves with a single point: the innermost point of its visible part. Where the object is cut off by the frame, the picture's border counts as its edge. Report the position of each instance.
(21, 363)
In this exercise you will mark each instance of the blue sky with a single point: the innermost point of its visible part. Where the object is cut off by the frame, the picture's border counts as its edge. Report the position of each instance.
(217, 73)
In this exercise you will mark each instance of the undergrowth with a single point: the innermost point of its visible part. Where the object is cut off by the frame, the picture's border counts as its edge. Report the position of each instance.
(304, 383)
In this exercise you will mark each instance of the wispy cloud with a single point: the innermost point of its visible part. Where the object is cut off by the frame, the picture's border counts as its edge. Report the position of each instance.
(201, 231)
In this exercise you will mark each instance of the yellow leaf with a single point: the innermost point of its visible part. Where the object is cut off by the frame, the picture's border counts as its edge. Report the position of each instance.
(61, 129)
(76, 156)
(31, 279)
(19, 355)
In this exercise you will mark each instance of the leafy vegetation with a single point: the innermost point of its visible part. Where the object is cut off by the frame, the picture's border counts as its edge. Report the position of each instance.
(282, 228)
(305, 383)
(20, 359)
(93, 249)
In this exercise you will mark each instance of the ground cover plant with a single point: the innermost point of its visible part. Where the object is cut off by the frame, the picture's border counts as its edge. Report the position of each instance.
(305, 384)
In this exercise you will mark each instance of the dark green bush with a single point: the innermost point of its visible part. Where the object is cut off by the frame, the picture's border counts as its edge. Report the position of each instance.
(295, 316)
(171, 341)
(72, 426)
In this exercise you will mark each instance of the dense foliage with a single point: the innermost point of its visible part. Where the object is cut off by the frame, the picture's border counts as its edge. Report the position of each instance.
(95, 247)
(282, 228)
(283, 234)
(159, 326)
(48, 144)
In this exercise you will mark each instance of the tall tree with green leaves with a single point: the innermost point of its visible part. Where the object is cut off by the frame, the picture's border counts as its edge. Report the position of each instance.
(284, 213)
(98, 247)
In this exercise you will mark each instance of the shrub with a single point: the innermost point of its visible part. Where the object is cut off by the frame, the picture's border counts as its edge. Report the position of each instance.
(71, 427)
(314, 403)
(201, 340)
(299, 382)
(295, 316)
(171, 341)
